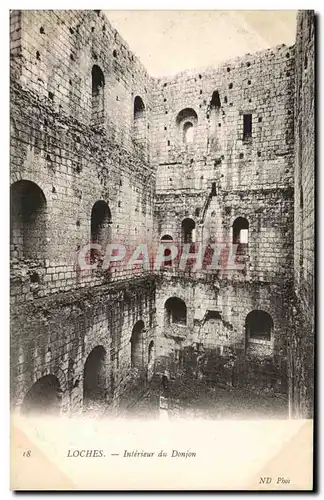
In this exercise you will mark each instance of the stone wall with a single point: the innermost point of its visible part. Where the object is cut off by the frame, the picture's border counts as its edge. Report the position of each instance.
(225, 173)
(103, 153)
(261, 85)
(67, 159)
(301, 367)
(56, 335)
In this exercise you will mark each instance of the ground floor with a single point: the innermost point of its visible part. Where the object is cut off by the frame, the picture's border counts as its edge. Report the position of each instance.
(108, 350)
(188, 398)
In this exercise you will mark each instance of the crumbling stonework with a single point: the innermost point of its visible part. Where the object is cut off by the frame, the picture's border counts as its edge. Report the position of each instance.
(220, 177)
(301, 340)
(102, 152)
(59, 311)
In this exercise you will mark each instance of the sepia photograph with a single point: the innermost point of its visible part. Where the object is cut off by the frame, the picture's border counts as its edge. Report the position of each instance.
(162, 249)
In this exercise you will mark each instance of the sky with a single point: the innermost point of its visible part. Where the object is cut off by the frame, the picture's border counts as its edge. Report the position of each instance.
(167, 42)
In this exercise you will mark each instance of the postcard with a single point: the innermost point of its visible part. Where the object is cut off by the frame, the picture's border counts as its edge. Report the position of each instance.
(162, 239)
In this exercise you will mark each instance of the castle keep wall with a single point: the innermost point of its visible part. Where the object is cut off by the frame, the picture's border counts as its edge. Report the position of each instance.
(229, 171)
(301, 341)
(75, 159)
(102, 153)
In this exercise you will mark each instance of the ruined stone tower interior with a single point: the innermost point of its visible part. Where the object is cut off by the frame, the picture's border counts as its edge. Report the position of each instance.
(103, 152)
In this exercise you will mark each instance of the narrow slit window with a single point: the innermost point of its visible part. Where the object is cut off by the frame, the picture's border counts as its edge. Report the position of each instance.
(140, 122)
(98, 95)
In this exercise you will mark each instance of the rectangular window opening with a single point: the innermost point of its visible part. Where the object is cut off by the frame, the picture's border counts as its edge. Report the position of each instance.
(247, 126)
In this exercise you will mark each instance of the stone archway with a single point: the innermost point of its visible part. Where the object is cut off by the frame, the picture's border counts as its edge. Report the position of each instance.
(45, 396)
(28, 217)
(94, 378)
(137, 345)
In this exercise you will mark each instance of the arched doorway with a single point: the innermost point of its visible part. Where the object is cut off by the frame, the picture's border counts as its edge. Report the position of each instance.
(100, 228)
(137, 345)
(94, 378)
(139, 120)
(28, 216)
(45, 396)
(186, 122)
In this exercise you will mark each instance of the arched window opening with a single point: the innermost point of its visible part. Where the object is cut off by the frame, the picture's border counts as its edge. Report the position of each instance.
(188, 133)
(214, 115)
(139, 108)
(151, 352)
(94, 377)
(140, 127)
(100, 227)
(176, 311)
(188, 231)
(137, 345)
(215, 102)
(241, 234)
(259, 325)
(45, 396)
(167, 239)
(28, 214)
(186, 122)
(98, 95)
